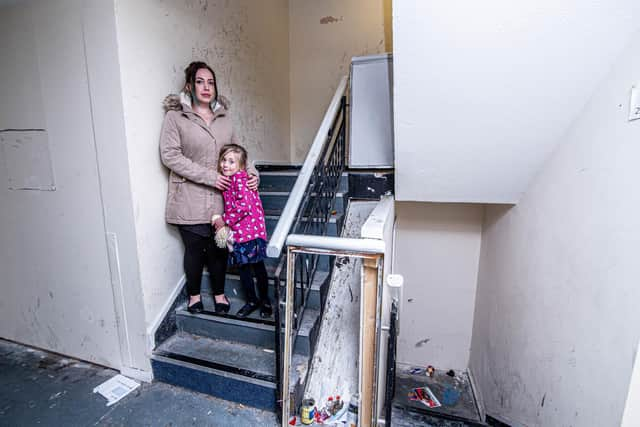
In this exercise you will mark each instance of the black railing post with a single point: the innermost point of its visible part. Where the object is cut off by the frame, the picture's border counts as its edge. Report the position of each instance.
(278, 348)
(313, 217)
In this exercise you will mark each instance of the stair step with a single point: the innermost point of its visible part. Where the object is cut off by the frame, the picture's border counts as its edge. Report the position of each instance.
(278, 180)
(234, 357)
(284, 180)
(234, 289)
(335, 221)
(273, 202)
(233, 371)
(251, 330)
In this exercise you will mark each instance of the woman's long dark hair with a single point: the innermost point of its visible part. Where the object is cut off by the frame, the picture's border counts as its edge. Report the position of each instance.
(190, 78)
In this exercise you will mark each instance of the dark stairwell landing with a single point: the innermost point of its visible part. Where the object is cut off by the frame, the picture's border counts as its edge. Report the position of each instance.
(44, 389)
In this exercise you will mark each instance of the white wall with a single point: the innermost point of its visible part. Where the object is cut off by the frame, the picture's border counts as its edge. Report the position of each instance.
(555, 329)
(56, 268)
(437, 252)
(484, 90)
(324, 36)
(246, 42)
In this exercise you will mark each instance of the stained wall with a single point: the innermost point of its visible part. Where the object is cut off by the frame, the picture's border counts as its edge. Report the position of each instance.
(246, 43)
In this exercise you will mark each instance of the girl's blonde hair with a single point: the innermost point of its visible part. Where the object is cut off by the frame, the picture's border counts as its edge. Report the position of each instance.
(233, 148)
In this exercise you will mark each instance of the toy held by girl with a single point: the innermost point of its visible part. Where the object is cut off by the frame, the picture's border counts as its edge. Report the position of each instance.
(244, 215)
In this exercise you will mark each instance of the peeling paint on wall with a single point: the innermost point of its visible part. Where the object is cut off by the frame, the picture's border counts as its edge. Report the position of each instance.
(321, 52)
(330, 20)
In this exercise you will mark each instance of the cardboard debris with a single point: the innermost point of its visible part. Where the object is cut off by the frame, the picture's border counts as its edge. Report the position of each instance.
(116, 388)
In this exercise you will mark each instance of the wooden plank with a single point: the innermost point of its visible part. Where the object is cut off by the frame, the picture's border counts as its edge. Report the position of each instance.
(335, 368)
(369, 292)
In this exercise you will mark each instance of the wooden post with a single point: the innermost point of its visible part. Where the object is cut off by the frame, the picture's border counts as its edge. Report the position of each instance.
(368, 315)
(286, 362)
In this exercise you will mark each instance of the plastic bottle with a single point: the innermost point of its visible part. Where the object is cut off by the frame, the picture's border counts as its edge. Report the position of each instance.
(337, 405)
(352, 412)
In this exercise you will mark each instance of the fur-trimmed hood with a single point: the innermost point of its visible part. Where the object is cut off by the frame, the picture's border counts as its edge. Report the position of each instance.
(173, 102)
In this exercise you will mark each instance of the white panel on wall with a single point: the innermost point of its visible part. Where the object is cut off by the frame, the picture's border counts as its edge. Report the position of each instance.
(27, 160)
(56, 283)
(371, 139)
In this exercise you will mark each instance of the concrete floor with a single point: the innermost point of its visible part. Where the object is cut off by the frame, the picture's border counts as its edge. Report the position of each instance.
(42, 389)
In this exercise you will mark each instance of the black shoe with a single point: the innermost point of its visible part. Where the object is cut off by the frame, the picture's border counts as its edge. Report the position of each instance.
(265, 309)
(196, 307)
(221, 307)
(247, 309)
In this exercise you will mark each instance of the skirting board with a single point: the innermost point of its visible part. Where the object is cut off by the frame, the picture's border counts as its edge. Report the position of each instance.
(153, 327)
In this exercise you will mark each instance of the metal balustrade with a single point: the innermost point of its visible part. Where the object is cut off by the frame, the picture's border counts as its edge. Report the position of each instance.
(308, 211)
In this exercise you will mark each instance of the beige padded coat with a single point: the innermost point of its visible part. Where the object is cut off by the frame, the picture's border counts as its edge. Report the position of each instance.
(190, 150)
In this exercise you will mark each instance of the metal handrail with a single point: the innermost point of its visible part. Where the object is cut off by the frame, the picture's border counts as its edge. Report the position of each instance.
(288, 216)
(311, 199)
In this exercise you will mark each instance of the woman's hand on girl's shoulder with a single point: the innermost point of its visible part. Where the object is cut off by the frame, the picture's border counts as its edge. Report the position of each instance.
(222, 182)
(252, 182)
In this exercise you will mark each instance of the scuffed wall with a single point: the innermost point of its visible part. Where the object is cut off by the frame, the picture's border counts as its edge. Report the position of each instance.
(324, 36)
(54, 268)
(437, 249)
(555, 329)
(246, 42)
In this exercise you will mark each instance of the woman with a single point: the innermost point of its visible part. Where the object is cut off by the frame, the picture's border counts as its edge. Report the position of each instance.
(196, 126)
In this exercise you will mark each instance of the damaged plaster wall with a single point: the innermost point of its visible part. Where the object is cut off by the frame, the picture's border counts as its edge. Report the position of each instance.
(334, 368)
(324, 36)
(437, 252)
(246, 43)
(555, 329)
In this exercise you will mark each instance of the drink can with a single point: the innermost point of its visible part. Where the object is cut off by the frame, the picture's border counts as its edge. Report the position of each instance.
(308, 411)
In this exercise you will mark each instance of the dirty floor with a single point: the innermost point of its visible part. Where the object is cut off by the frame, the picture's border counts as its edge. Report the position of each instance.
(41, 389)
(457, 408)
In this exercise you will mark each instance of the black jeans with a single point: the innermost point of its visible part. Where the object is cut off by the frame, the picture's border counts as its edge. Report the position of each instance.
(247, 281)
(198, 252)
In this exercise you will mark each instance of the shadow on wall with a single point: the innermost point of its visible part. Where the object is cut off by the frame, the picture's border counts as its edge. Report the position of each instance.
(493, 214)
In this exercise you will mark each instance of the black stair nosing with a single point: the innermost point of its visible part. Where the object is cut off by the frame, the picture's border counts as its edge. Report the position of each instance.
(254, 323)
(277, 166)
(265, 325)
(333, 219)
(215, 366)
(278, 173)
(321, 276)
(286, 193)
(318, 280)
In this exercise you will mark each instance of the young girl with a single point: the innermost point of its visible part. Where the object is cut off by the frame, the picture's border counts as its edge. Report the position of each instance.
(244, 215)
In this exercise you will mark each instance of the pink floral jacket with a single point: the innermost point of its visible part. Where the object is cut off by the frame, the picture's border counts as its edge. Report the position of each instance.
(243, 211)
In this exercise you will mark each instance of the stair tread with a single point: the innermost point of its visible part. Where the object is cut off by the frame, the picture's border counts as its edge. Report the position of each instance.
(332, 219)
(317, 281)
(286, 193)
(309, 318)
(243, 359)
(236, 303)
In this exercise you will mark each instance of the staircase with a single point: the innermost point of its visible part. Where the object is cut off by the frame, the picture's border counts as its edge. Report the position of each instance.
(232, 358)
